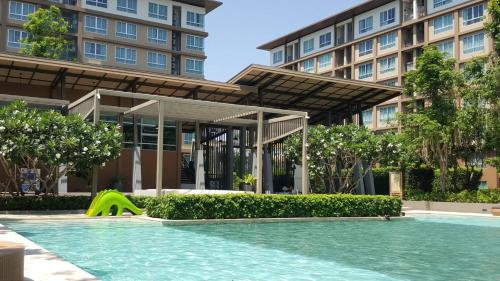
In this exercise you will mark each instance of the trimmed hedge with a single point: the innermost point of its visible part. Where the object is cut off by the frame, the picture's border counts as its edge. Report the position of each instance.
(491, 196)
(234, 206)
(53, 203)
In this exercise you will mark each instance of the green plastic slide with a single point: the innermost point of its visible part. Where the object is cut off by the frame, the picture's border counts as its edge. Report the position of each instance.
(106, 199)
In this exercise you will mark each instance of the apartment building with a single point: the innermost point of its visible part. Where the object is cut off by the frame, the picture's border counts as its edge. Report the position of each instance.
(379, 41)
(160, 36)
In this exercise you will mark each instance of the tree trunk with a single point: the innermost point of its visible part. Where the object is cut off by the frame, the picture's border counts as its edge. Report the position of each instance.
(443, 172)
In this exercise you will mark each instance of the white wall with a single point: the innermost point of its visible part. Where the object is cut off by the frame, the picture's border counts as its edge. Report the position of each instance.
(143, 11)
(316, 36)
(431, 9)
(375, 13)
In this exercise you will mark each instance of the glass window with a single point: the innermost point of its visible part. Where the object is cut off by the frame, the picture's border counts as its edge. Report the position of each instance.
(386, 115)
(147, 129)
(325, 60)
(98, 3)
(308, 45)
(443, 24)
(129, 6)
(95, 51)
(125, 55)
(194, 43)
(366, 25)
(157, 36)
(439, 3)
(309, 65)
(473, 14)
(277, 57)
(365, 70)
(388, 41)
(126, 30)
(157, 60)
(325, 40)
(194, 66)
(446, 48)
(366, 117)
(96, 25)
(195, 19)
(15, 36)
(188, 138)
(158, 11)
(365, 47)
(474, 43)
(388, 17)
(20, 11)
(387, 65)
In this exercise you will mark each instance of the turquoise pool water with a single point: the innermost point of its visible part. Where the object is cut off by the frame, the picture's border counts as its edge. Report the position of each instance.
(427, 248)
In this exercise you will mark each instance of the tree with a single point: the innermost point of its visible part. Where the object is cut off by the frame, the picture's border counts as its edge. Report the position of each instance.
(47, 140)
(432, 130)
(493, 25)
(46, 29)
(333, 153)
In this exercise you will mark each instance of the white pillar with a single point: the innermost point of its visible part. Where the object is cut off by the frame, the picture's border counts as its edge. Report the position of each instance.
(415, 9)
(97, 115)
(305, 176)
(260, 121)
(159, 148)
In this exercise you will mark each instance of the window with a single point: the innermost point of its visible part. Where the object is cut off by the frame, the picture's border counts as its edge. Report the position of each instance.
(129, 6)
(365, 25)
(15, 36)
(98, 3)
(308, 45)
(473, 43)
(309, 65)
(96, 25)
(195, 19)
(365, 70)
(443, 24)
(157, 36)
(188, 138)
(95, 51)
(158, 11)
(325, 40)
(147, 129)
(20, 11)
(194, 66)
(325, 60)
(277, 57)
(157, 60)
(387, 65)
(439, 3)
(388, 17)
(386, 115)
(388, 41)
(125, 55)
(446, 48)
(126, 30)
(365, 47)
(392, 83)
(366, 117)
(194, 43)
(473, 14)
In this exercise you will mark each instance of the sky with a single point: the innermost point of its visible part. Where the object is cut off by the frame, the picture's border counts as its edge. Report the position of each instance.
(238, 26)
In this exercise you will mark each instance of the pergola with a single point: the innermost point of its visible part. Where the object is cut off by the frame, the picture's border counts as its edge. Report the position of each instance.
(271, 124)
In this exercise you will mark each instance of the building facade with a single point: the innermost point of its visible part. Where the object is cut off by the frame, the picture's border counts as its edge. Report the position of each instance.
(161, 36)
(379, 41)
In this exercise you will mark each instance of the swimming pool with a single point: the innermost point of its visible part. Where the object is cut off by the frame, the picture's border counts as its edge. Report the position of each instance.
(427, 248)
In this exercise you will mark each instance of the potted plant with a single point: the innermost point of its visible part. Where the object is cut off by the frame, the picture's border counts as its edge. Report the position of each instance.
(249, 182)
(117, 183)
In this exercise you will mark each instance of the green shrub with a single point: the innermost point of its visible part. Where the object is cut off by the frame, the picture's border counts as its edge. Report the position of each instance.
(421, 178)
(381, 179)
(491, 196)
(233, 206)
(43, 203)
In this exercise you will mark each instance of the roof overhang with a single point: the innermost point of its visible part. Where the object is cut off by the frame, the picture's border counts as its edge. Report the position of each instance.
(316, 94)
(209, 5)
